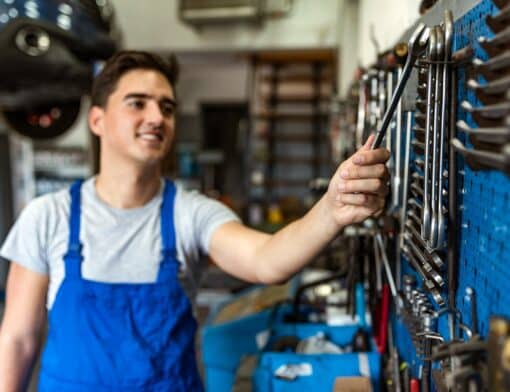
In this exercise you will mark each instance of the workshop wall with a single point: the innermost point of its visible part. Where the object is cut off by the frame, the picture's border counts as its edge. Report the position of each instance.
(310, 24)
(211, 77)
(389, 19)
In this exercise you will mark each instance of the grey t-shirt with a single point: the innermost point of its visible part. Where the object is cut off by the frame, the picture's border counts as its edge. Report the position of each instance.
(119, 245)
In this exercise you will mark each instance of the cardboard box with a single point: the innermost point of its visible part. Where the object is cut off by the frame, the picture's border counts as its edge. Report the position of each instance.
(352, 384)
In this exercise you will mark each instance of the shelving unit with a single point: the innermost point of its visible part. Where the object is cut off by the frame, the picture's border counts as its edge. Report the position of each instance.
(290, 109)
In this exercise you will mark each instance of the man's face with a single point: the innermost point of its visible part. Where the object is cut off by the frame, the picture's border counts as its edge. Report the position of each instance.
(138, 121)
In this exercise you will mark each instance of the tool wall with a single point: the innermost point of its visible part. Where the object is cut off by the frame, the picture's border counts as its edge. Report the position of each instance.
(481, 219)
(450, 166)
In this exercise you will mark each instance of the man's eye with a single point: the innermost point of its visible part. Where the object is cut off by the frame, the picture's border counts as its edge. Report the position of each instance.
(167, 110)
(137, 104)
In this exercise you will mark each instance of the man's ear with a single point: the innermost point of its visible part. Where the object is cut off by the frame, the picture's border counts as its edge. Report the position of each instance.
(96, 120)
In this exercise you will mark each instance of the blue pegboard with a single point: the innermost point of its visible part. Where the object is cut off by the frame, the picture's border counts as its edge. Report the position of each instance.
(484, 233)
(483, 212)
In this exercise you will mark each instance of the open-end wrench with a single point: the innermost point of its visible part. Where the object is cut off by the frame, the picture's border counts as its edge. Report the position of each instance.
(496, 111)
(448, 37)
(419, 134)
(434, 275)
(398, 153)
(405, 184)
(422, 91)
(420, 164)
(418, 147)
(362, 103)
(499, 21)
(429, 253)
(483, 160)
(497, 65)
(417, 44)
(437, 119)
(382, 86)
(386, 90)
(420, 118)
(428, 284)
(497, 44)
(416, 189)
(497, 135)
(492, 92)
(431, 54)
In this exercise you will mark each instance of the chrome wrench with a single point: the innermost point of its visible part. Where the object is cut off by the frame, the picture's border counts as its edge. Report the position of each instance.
(417, 44)
(448, 37)
(438, 88)
(425, 227)
(397, 191)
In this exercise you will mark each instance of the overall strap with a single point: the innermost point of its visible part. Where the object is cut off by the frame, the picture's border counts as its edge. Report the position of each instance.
(167, 223)
(73, 257)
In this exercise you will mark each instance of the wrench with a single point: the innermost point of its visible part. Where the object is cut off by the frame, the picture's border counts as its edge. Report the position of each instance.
(398, 154)
(492, 92)
(496, 135)
(437, 120)
(425, 228)
(417, 44)
(499, 21)
(362, 103)
(405, 185)
(423, 261)
(441, 223)
(429, 253)
(483, 160)
(428, 284)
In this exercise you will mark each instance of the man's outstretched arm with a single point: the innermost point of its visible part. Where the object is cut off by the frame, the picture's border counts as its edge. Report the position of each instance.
(20, 331)
(356, 191)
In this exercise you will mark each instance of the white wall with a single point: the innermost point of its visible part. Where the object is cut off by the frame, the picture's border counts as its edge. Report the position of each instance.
(348, 48)
(155, 25)
(389, 18)
(211, 77)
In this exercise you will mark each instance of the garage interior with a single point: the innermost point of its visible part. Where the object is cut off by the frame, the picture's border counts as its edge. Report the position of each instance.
(273, 95)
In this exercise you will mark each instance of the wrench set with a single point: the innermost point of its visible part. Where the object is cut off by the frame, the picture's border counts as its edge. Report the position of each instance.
(490, 81)
(423, 224)
(432, 101)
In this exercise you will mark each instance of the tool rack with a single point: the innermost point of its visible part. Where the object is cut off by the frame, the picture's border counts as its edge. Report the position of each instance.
(467, 278)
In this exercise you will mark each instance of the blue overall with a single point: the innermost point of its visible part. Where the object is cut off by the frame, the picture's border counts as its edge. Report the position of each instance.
(120, 336)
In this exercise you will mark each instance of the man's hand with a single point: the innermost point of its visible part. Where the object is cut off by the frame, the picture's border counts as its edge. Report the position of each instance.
(358, 189)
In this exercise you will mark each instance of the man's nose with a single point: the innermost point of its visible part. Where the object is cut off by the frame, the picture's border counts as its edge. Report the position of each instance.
(153, 113)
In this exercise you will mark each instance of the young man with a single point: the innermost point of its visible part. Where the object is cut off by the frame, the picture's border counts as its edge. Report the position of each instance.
(105, 257)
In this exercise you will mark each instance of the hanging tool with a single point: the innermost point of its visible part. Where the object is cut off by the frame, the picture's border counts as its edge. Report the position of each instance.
(496, 135)
(492, 92)
(496, 45)
(429, 121)
(445, 103)
(483, 160)
(500, 21)
(416, 46)
(494, 68)
(432, 237)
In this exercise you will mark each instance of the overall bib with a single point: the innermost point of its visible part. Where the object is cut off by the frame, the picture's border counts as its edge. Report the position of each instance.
(120, 336)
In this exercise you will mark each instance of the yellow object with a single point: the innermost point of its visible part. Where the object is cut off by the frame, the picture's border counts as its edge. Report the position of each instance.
(274, 214)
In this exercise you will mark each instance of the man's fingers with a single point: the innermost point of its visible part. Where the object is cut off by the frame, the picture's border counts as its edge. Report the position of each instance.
(371, 157)
(371, 185)
(354, 172)
(368, 144)
(362, 200)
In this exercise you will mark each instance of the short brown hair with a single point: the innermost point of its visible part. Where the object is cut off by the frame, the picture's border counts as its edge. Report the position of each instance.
(124, 61)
